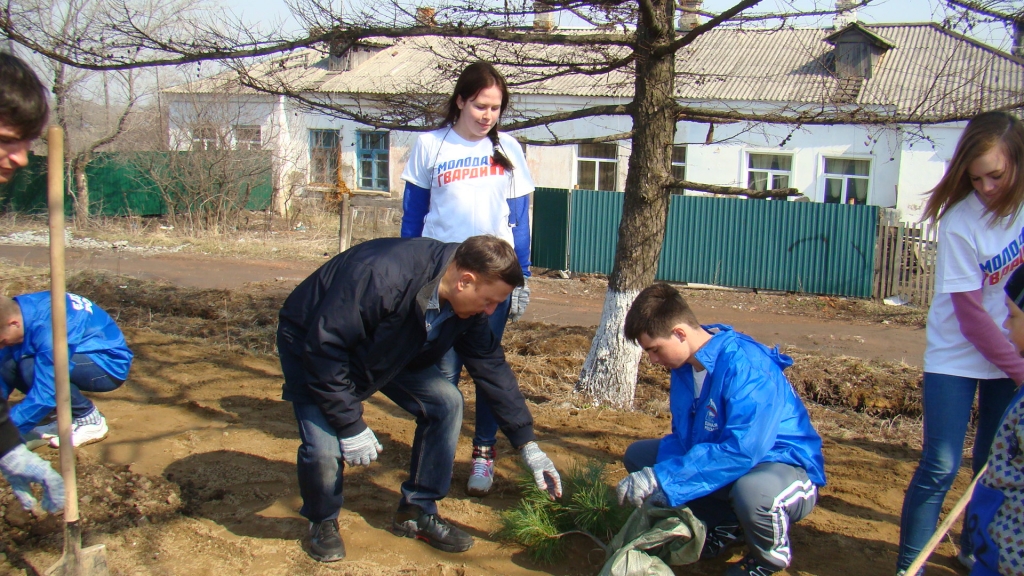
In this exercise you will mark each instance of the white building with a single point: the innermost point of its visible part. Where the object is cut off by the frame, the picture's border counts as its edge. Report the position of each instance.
(920, 72)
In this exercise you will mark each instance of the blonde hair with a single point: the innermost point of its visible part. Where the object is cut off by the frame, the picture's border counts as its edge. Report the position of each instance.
(983, 133)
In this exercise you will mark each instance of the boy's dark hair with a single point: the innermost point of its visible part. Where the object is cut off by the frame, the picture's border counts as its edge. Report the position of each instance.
(23, 105)
(655, 311)
(1014, 287)
(491, 258)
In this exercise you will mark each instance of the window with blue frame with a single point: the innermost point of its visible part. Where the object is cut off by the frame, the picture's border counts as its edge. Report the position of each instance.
(372, 150)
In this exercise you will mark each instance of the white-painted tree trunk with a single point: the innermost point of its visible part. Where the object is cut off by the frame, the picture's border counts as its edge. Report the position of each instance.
(609, 373)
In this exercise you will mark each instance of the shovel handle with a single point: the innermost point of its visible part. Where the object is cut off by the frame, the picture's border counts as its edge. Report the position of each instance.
(59, 315)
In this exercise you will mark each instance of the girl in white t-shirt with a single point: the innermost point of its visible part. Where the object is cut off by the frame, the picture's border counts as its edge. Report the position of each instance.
(981, 237)
(466, 179)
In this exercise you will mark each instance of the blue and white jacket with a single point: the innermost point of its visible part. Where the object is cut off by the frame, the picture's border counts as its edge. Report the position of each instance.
(91, 331)
(747, 413)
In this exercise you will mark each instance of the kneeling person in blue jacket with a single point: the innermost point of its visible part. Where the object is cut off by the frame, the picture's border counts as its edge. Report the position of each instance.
(98, 358)
(743, 454)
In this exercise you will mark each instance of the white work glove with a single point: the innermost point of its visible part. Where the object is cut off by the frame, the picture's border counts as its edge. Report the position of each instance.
(361, 449)
(22, 468)
(640, 485)
(520, 300)
(544, 473)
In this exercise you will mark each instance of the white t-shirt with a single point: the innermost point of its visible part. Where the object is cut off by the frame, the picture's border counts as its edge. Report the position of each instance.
(468, 196)
(972, 253)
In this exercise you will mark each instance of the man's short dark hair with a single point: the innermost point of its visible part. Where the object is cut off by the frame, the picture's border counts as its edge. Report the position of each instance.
(490, 257)
(655, 311)
(23, 105)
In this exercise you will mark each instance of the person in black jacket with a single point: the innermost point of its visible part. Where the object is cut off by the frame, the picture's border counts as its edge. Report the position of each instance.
(379, 316)
(23, 114)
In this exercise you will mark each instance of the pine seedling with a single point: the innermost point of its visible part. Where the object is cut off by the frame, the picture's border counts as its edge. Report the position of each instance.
(587, 507)
(591, 503)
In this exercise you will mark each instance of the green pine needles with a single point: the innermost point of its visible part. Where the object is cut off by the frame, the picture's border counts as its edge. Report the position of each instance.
(588, 506)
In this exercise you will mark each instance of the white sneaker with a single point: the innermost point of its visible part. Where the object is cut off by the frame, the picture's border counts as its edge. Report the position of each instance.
(481, 478)
(85, 432)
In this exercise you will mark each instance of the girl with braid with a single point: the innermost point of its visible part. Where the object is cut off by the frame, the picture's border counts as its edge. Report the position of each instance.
(466, 179)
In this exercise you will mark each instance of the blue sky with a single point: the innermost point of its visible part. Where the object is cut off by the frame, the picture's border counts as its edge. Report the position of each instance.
(879, 11)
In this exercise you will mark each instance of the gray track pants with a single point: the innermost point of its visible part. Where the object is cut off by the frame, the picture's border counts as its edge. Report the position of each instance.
(764, 502)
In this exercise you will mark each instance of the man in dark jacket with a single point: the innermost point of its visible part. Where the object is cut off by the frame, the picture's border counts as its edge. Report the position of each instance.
(378, 317)
(23, 114)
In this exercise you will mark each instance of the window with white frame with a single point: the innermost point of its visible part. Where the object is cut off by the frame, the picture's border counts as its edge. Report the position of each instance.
(248, 137)
(679, 162)
(597, 166)
(324, 147)
(846, 180)
(769, 171)
(205, 137)
(372, 150)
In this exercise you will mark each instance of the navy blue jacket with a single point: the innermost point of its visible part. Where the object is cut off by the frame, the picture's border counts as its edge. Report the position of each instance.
(747, 413)
(360, 319)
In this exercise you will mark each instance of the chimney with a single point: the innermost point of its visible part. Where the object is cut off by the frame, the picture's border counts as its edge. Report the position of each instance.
(689, 20)
(425, 17)
(543, 16)
(1018, 38)
(846, 13)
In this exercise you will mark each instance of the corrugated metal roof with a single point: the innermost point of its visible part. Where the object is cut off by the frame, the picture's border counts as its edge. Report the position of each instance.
(930, 72)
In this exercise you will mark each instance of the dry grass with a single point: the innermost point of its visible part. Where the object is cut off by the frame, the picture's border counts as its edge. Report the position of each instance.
(308, 234)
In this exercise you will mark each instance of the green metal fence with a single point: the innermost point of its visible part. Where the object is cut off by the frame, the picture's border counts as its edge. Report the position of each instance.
(118, 185)
(793, 246)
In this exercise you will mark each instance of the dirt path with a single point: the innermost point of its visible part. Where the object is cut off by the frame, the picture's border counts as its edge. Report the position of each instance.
(197, 476)
(550, 302)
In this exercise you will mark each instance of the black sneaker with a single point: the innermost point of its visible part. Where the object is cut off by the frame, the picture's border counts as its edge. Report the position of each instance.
(413, 522)
(325, 543)
(750, 566)
(717, 541)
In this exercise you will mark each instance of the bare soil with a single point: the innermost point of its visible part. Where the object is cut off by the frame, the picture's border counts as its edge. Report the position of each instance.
(197, 476)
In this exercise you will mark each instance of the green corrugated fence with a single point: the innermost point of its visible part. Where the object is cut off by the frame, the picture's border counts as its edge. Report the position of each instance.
(793, 246)
(118, 185)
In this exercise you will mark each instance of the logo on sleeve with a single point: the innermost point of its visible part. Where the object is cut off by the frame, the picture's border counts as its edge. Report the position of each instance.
(711, 417)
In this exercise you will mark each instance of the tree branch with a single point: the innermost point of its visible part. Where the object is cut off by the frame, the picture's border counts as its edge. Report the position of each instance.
(734, 190)
(692, 35)
(556, 141)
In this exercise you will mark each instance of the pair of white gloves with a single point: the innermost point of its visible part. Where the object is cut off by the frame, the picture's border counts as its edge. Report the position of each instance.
(361, 449)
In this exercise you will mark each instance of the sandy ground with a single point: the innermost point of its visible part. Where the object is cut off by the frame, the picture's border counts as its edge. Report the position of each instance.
(197, 476)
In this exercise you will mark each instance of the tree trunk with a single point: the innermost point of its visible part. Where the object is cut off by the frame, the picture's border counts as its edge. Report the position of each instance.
(80, 195)
(609, 373)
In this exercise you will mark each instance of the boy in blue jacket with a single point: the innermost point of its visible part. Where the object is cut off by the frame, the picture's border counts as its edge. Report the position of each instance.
(98, 358)
(742, 454)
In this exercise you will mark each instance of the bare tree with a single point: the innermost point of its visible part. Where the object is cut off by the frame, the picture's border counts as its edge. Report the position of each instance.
(632, 48)
(215, 162)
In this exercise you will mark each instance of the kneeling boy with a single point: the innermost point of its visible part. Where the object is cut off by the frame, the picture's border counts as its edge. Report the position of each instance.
(98, 358)
(742, 455)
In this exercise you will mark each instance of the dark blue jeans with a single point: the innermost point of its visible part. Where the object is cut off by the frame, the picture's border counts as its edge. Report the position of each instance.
(486, 433)
(947, 402)
(427, 395)
(86, 375)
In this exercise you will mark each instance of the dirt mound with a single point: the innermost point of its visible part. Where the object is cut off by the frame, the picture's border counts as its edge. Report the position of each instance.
(112, 500)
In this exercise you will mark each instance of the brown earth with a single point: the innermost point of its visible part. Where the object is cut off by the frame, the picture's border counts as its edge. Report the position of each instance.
(197, 476)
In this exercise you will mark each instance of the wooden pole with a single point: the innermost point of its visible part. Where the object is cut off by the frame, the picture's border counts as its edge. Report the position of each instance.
(936, 538)
(59, 308)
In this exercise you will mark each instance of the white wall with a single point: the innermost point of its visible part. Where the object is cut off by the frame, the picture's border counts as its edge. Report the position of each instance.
(903, 167)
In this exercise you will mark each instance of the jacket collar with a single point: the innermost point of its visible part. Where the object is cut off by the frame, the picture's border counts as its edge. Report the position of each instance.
(721, 335)
(430, 288)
